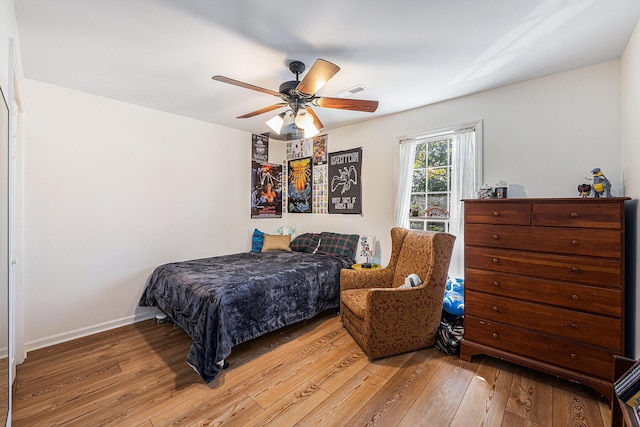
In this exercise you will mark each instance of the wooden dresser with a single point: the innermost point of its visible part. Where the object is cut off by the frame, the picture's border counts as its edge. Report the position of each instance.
(544, 285)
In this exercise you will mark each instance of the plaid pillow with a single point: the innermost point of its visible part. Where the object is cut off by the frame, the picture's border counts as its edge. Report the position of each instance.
(340, 245)
(307, 242)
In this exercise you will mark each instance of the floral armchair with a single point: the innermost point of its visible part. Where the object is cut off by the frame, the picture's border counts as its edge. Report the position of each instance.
(384, 319)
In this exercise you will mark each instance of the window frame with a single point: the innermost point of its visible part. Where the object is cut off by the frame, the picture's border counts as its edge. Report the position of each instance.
(477, 125)
(432, 223)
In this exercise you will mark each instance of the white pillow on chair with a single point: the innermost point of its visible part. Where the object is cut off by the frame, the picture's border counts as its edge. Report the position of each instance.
(411, 281)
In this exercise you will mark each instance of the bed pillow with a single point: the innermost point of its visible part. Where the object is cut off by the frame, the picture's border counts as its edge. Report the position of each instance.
(257, 240)
(276, 242)
(307, 242)
(336, 244)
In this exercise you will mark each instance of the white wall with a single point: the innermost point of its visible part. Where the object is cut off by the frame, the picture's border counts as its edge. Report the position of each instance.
(630, 65)
(113, 190)
(542, 136)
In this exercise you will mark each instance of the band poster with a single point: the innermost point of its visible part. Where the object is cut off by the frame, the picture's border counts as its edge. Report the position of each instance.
(266, 181)
(299, 185)
(345, 189)
(320, 190)
(260, 148)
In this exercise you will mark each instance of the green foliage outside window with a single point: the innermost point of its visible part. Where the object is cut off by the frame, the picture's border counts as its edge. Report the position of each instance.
(431, 186)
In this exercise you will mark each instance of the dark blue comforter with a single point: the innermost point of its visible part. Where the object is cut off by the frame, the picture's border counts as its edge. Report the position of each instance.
(224, 301)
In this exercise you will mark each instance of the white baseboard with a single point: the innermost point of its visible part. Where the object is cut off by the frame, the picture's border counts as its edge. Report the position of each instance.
(90, 330)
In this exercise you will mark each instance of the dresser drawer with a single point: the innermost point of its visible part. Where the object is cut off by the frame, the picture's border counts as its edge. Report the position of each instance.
(564, 353)
(576, 241)
(589, 214)
(590, 270)
(497, 213)
(578, 326)
(592, 299)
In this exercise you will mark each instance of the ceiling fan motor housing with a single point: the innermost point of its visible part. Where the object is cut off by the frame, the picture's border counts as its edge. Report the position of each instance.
(288, 88)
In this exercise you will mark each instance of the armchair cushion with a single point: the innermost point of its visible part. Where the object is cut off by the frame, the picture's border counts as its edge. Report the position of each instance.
(355, 300)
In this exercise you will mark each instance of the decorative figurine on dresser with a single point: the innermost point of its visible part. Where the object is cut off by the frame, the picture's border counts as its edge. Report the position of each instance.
(544, 285)
(601, 185)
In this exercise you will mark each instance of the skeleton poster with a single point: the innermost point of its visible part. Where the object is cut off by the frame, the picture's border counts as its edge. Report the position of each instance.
(345, 187)
(260, 148)
(300, 186)
(266, 190)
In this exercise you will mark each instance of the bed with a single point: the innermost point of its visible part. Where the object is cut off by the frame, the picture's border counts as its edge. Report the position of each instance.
(223, 301)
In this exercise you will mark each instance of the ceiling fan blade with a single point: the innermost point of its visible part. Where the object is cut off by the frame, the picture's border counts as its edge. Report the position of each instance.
(263, 110)
(319, 73)
(316, 121)
(346, 104)
(224, 79)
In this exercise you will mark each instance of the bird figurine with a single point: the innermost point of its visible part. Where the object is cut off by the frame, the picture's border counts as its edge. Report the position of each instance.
(601, 185)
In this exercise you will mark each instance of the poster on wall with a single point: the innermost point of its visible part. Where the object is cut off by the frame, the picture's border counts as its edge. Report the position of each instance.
(320, 150)
(320, 188)
(300, 185)
(320, 192)
(345, 186)
(266, 190)
(260, 148)
(299, 148)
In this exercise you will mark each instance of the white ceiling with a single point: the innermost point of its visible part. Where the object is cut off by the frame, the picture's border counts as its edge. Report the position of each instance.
(407, 53)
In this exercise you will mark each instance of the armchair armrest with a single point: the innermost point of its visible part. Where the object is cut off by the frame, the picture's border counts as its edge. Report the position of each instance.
(363, 279)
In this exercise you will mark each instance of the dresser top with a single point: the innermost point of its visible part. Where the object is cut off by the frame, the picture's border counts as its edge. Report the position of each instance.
(551, 199)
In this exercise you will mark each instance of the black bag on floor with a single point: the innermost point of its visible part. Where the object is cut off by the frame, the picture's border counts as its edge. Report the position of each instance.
(450, 334)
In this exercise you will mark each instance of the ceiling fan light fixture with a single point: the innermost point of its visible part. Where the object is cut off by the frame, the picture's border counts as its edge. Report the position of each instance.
(276, 123)
(303, 119)
(310, 131)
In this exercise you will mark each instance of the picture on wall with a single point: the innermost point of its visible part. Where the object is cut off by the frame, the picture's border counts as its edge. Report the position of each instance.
(299, 148)
(260, 148)
(320, 150)
(345, 186)
(320, 169)
(299, 185)
(266, 190)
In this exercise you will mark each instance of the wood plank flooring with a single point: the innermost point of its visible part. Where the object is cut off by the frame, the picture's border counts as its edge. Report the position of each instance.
(309, 374)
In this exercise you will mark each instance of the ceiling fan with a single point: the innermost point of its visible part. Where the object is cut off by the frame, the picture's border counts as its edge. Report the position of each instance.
(299, 96)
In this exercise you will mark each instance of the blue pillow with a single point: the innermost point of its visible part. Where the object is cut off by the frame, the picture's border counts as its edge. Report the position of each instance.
(257, 240)
(453, 302)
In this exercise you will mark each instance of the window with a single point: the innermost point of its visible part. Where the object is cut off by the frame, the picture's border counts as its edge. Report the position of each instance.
(431, 185)
(437, 170)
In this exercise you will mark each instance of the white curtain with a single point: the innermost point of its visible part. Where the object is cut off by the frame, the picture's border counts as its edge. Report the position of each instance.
(405, 177)
(463, 186)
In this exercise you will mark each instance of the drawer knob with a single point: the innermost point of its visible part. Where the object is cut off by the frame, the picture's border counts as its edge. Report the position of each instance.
(574, 356)
(574, 326)
(496, 284)
(574, 215)
(575, 297)
(495, 260)
(495, 237)
(575, 269)
(496, 213)
(495, 335)
(574, 242)
(495, 308)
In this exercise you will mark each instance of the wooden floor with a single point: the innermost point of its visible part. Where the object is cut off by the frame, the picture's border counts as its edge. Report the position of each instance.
(308, 375)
